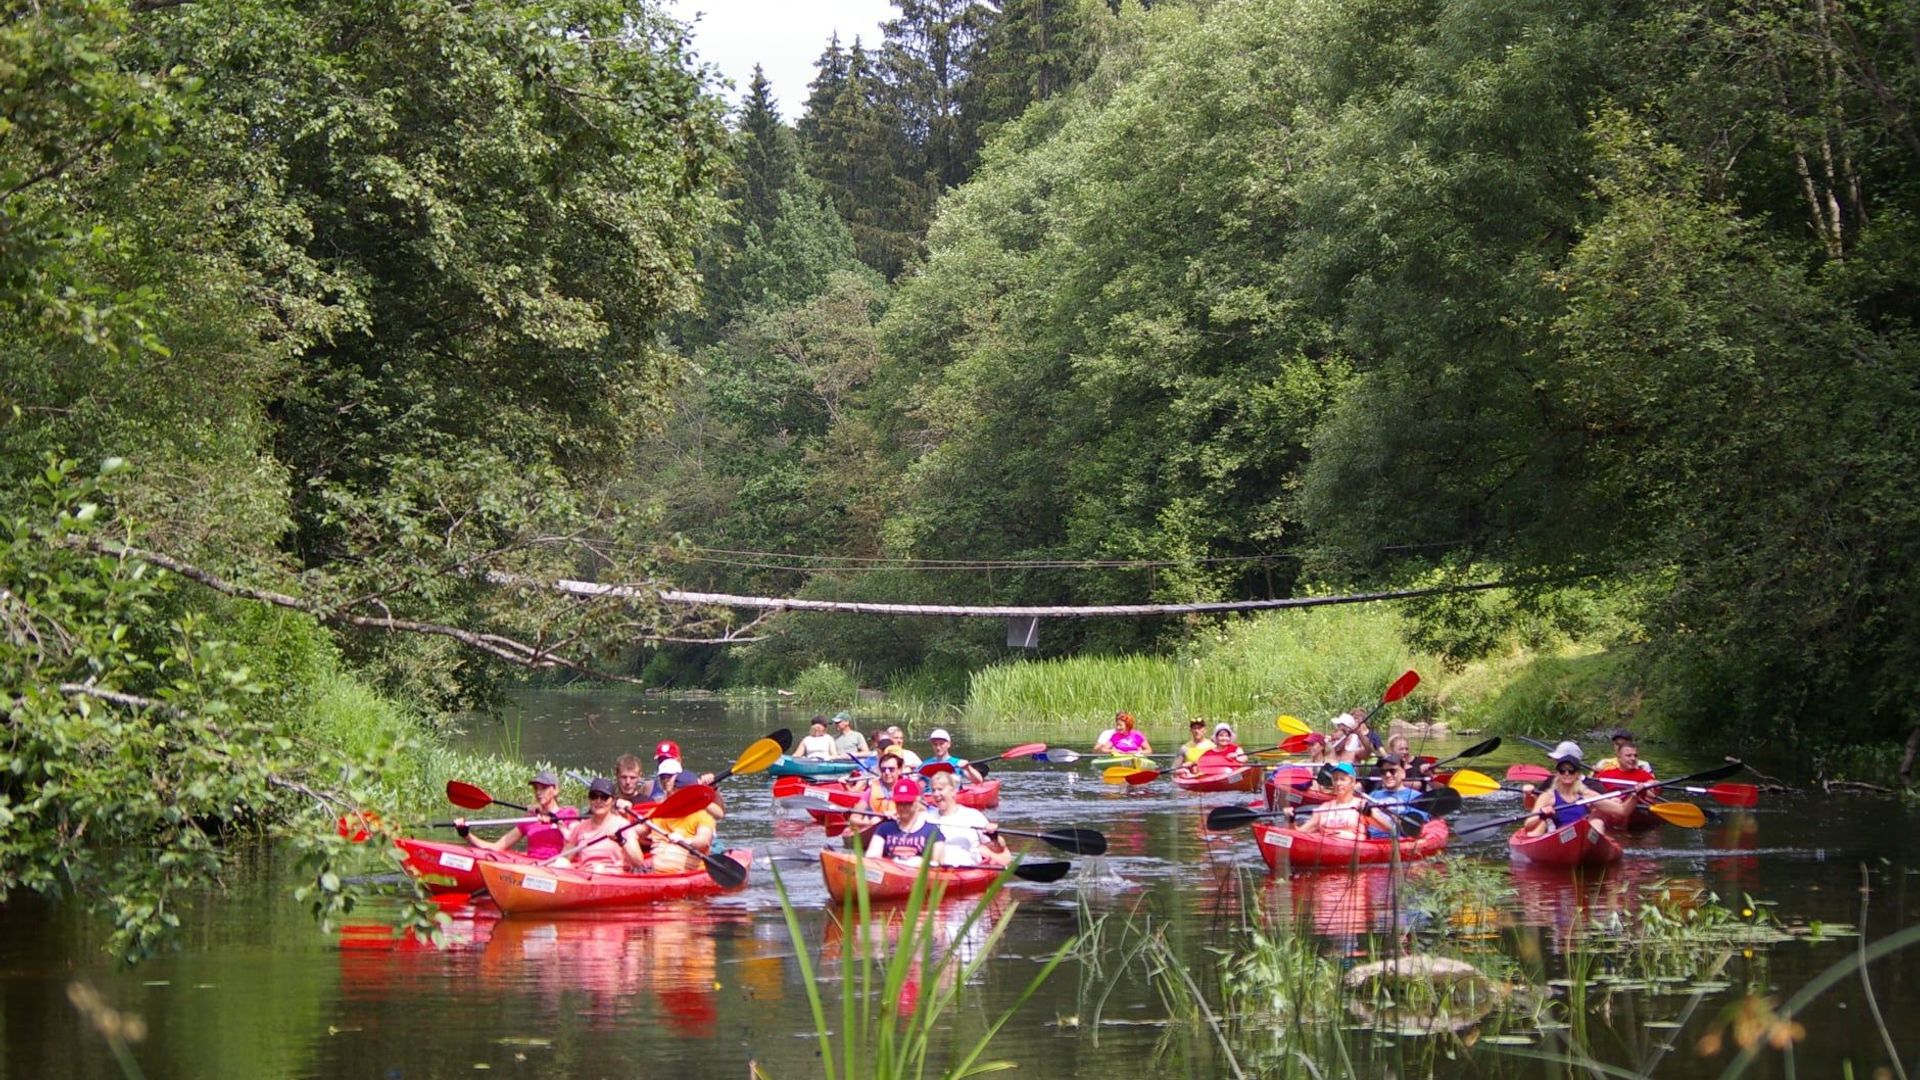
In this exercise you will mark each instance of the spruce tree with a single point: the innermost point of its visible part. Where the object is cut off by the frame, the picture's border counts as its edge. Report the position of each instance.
(1032, 50)
(854, 145)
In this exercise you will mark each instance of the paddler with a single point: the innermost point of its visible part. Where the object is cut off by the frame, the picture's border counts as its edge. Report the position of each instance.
(1225, 745)
(1348, 745)
(907, 836)
(967, 838)
(1416, 769)
(908, 759)
(671, 774)
(942, 744)
(848, 743)
(818, 745)
(546, 836)
(1341, 816)
(629, 783)
(1124, 738)
(695, 830)
(876, 803)
(1197, 742)
(1554, 808)
(1394, 794)
(1626, 755)
(596, 842)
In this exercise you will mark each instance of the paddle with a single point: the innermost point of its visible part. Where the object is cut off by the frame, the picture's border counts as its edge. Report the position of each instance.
(935, 768)
(1291, 725)
(491, 821)
(1529, 774)
(1058, 755)
(1122, 774)
(1044, 872)
(1476, 750)
(1725, 794)
(1685, 815)
(1023, 750)
(1073, 841)
(726, 873)
(1437, 803)
(1469, 782)
(1293, 744)
(758, 757)
(472, 797)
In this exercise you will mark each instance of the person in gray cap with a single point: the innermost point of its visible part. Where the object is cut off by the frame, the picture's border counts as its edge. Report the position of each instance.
(545, 836)
(847, 742)
(603, 840)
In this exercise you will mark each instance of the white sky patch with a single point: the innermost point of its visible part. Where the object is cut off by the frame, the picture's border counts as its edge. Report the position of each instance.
(783, 36)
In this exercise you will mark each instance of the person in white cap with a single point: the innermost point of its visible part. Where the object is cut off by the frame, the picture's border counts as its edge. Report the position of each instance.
(943, 755)
(1348, 744)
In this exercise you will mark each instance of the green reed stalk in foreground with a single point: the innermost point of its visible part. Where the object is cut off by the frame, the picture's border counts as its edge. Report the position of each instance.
(880, 1038)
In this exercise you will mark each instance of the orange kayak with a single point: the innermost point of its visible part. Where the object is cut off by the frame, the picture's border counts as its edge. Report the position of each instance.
(450, 867)
(1246, 778)
(1582, 843)
(889, 880)
(522, 888)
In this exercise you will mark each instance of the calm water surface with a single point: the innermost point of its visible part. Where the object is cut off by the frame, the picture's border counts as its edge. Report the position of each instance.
(702, 989)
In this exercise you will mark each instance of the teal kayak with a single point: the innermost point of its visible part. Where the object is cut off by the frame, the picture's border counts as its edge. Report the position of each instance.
(791, 766)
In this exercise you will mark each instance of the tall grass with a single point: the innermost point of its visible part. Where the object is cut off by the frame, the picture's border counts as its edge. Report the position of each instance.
(1310, 663)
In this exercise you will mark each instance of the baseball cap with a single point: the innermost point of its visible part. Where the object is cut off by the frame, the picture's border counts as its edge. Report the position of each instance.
(1565, 751)
(1623, 733)
(843, 718)
(545, 776)
(1316, 739)
(1344, 767)
(667, 749)
(668, 767)
(600, 786)
(939, 734)
(1345, 719)
(906, 789)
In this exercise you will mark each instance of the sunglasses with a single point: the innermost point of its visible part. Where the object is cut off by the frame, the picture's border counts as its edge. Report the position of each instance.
(596, 796)
(1568, 772)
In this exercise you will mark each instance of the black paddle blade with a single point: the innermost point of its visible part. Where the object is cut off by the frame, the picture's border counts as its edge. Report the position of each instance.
(785, 739)
(1042, 871)
(1710, 775)
(1222, 818)
(726, 873)
(1077, 841)
(1477, 749)
(980, 765)
(1439, 802)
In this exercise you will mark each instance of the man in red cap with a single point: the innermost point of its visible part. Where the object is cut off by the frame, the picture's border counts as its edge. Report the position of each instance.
(907, 836)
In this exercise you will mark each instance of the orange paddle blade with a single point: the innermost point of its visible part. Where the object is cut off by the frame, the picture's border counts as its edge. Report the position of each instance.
(1685, 815)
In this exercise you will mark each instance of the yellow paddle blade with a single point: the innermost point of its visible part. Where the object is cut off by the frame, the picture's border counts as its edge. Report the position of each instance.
(1117, 774)
(1291, 725)
(1684, 814)
(1272, 753)
(1469, 782)
(762, 754)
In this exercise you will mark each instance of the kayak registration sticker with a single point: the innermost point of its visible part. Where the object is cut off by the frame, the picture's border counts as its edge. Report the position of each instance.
(1279, 840)
(455, 860)
(875, 874)
(537, 883)
(1567, 835)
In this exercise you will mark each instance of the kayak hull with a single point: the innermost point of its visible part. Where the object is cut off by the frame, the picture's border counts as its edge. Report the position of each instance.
(1209, 780)
(792, 766)
(1280, 846)
(520, 888)
(448, 867)
(1131, 761)
(1582, 843)
(889, 880)
(982, 796)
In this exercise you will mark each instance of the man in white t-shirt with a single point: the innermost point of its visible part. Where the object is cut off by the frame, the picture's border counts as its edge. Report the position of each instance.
(970, 838)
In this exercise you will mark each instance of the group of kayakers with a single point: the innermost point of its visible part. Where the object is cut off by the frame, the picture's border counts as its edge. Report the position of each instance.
(1570, 797)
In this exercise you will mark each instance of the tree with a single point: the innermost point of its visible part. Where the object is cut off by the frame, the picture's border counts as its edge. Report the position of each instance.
(855, 145)
(925, 58)
(1031, 50)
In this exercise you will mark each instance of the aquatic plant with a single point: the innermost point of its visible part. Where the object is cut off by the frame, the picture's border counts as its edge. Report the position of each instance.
(826, 686)
(887, 1019)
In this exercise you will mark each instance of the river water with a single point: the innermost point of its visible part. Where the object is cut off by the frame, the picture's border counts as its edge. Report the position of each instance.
(704, 989)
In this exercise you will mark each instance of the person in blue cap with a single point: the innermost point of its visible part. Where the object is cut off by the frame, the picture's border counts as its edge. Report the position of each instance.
(1343, 816)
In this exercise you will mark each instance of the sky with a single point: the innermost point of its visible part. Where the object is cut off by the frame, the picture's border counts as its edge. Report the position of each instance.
(783, 36)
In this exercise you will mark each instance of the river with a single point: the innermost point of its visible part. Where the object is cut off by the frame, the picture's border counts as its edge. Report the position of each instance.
(701, 989)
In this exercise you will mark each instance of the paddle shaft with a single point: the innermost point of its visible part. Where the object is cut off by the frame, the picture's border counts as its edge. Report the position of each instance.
(1720, 773)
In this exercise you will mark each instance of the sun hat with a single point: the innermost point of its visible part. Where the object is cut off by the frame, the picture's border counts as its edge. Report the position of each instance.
(1565, 750)
(545, 776)
(1223, 726)
(1344, 767)
(600, 786)
(668, 767)
(1345, 719)
(906, 789)
(667, 749)
(939, 734)
(843, 718)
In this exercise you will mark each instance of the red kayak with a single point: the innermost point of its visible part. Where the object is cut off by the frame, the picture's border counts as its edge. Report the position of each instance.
(451, 868)
(1279, 844)
(889, 880)
(1245, 778)
(1582, 843)
(521, 888)
(982, 796)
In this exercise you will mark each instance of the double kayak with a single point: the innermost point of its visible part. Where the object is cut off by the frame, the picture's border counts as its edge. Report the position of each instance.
(793, 766)
(982, 796)
(451, 867)
(1131, 761)
(1279, 844)
(1583, 843)
(519, 888)
(889, 880)
(1245, 778)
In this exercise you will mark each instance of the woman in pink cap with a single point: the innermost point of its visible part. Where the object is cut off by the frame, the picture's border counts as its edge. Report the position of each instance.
(907, 836)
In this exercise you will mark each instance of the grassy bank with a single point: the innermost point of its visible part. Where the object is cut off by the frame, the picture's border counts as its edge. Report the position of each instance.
(1312, 664)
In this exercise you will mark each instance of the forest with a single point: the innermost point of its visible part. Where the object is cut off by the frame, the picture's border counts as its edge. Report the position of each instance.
(329, 332)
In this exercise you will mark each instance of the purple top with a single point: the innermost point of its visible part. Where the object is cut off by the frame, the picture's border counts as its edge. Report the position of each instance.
(1128, 742)
(897, 843)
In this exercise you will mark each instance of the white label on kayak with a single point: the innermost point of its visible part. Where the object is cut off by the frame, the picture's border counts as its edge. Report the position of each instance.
(1279, 840)
(1567, 835)
(539, 884)
(456, 860)
(875, 874)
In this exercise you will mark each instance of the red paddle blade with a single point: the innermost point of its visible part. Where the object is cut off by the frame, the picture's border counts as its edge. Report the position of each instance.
(935, 768)
(1735, 794)
(1024, 750)
(1292, 776)
(1142, 776)
(1401, 687)
(788, 786)
(1528, 774)
(468, 796)
(684, 801)
(1297, 744)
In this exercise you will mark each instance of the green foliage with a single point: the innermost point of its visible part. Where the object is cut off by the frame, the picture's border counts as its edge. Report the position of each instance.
(826, 686)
